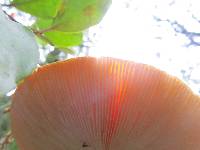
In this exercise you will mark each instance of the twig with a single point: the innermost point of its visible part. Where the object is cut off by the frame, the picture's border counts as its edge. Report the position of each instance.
(10, 17)
(7, 5)
(39, 32)
(7, 109)
(179, 28)
(7, 139)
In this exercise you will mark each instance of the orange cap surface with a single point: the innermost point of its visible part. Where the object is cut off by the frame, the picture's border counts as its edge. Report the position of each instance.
(104, 104)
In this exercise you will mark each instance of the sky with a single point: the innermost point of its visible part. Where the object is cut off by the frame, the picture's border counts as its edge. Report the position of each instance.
(151, 32)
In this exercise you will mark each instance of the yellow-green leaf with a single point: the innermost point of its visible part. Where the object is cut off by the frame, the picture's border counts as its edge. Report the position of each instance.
(39, 8)
(64, 39)
(81, 14)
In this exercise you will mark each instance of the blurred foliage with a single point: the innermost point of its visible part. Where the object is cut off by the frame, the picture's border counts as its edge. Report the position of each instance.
(12, 146)
(5, 123)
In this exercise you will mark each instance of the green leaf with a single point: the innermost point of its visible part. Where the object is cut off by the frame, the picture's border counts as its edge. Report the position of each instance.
(80, 14)
(53, 56)
(41, 41)
(39, 8)
(68, 15)
(68, 51)
(43, 23)
(57, 38)
(19, 53)
(12, 146)
(64, 39)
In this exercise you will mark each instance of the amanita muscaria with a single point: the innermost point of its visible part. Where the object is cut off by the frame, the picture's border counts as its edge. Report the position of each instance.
(104, 104)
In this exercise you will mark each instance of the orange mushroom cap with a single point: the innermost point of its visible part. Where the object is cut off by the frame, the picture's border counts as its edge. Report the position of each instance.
(104, 104)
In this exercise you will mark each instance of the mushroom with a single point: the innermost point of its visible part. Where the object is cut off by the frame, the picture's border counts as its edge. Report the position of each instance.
(91, 103)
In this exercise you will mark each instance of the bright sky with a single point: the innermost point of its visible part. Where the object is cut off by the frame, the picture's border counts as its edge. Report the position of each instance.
(129, 31)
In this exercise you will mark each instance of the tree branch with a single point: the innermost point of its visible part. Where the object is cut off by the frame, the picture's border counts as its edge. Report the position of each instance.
(179, 28)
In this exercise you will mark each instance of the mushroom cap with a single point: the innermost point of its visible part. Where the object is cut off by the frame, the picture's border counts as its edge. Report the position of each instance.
(104, 104)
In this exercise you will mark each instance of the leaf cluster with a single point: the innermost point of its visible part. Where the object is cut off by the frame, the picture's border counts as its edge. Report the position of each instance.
(61, 22)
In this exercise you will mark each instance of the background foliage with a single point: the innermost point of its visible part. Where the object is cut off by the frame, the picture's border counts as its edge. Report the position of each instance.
(57, 27)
